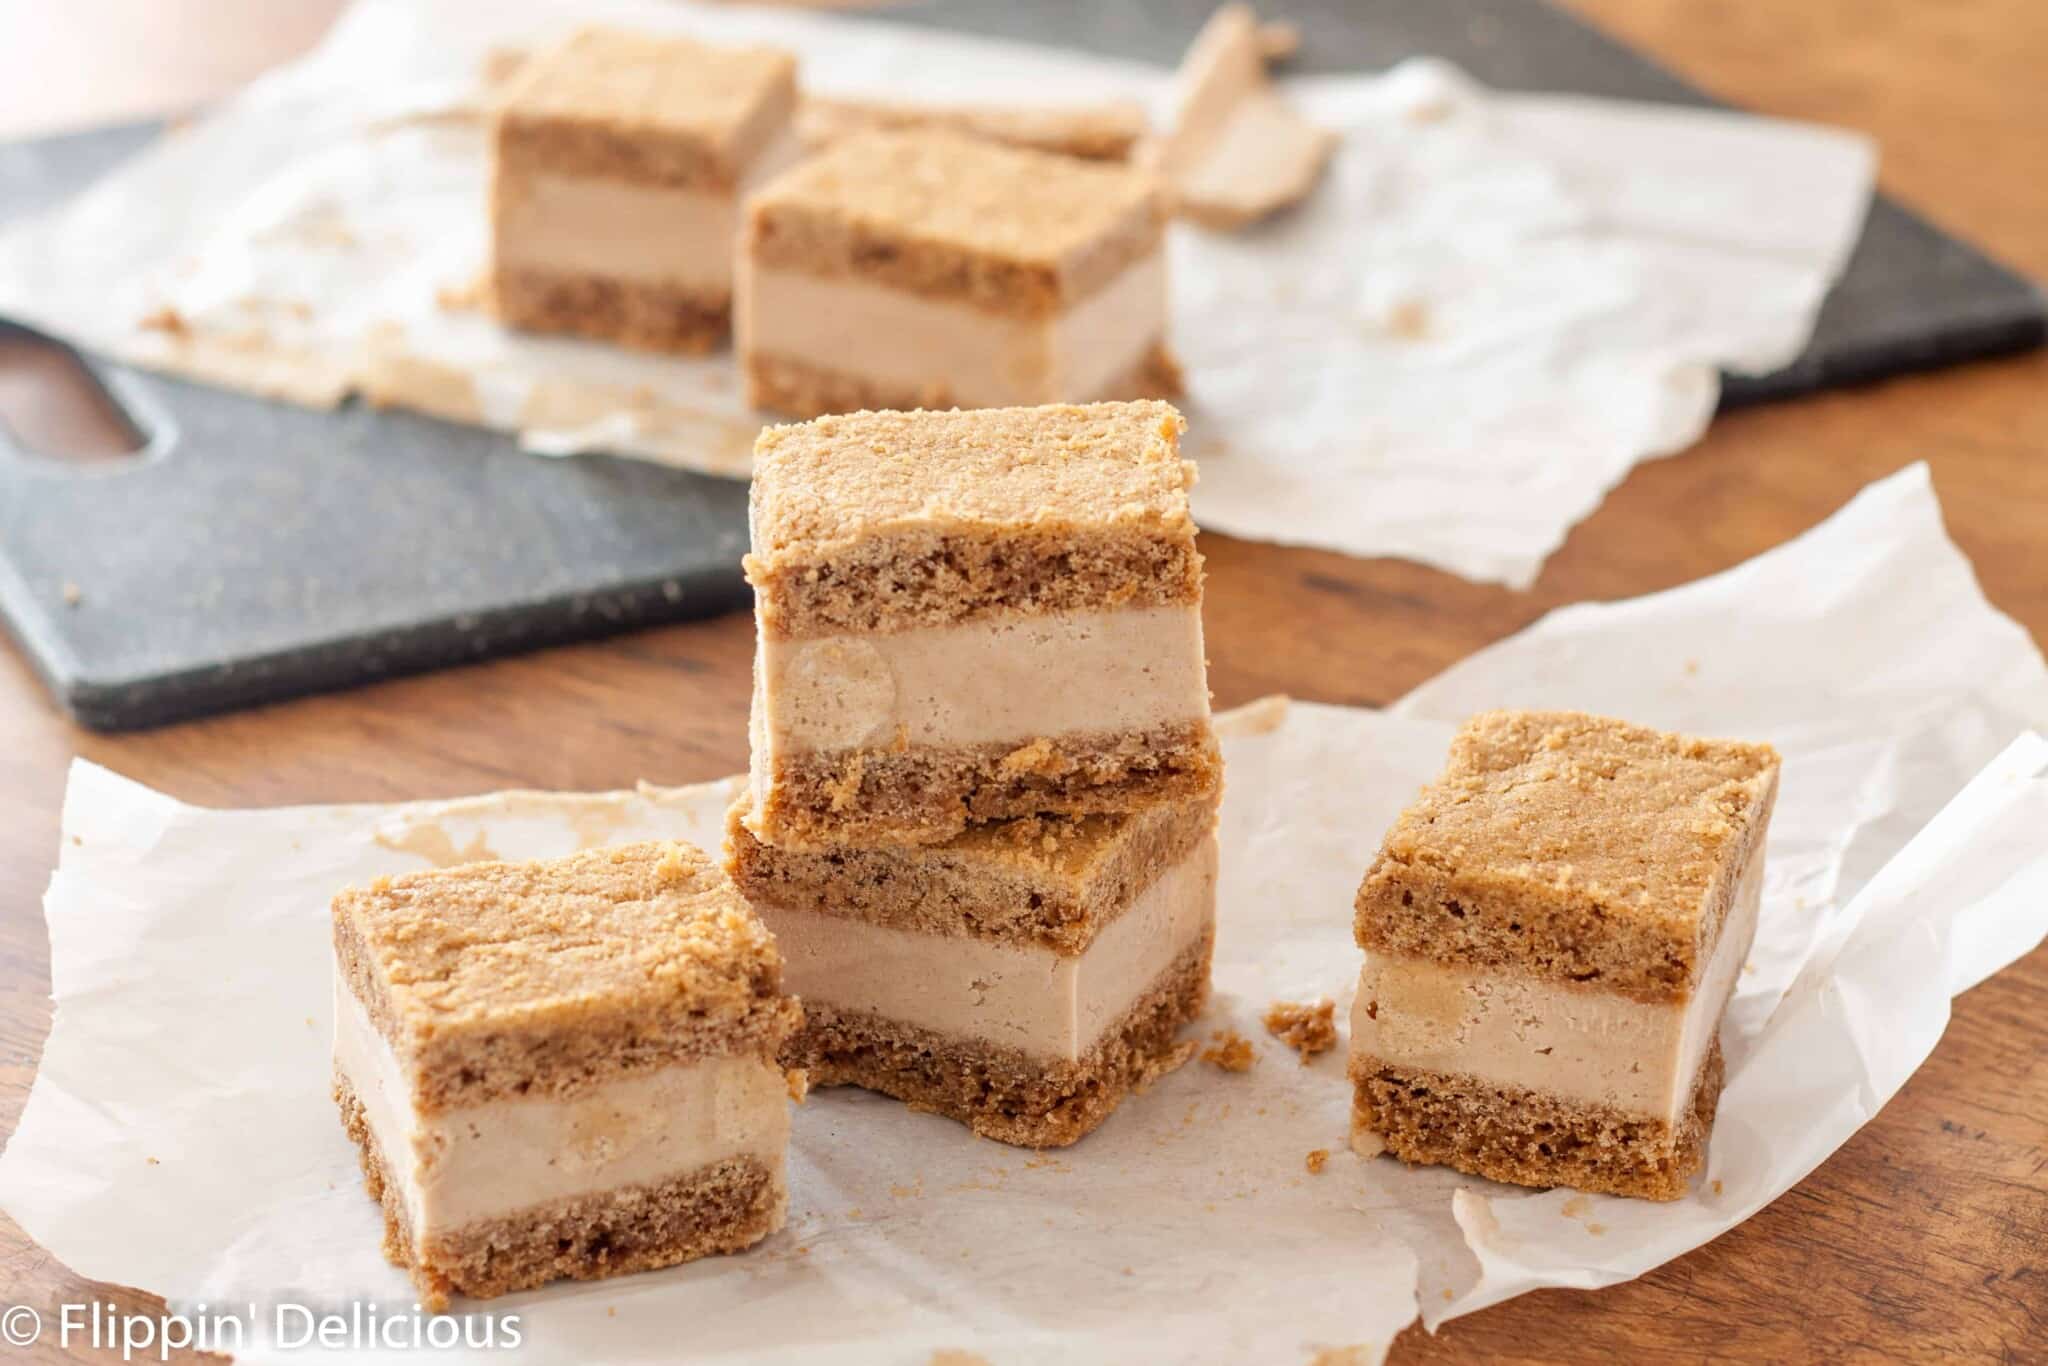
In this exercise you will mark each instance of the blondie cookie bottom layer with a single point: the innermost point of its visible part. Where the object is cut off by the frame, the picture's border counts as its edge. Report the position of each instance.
(929, 794)
(643, 315)
(799, 388)
(1528, 1138)
(1003, 1093)
(724, 1206)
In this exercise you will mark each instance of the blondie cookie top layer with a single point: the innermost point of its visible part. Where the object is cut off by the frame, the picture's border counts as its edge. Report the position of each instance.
(890, 520)
(1007, 229)
(1049, 881)
(1100, 132)
(651, 109)
(540, 977)
(1572, 847)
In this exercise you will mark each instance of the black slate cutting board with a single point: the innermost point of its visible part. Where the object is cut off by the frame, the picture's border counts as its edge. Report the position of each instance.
(259, 551)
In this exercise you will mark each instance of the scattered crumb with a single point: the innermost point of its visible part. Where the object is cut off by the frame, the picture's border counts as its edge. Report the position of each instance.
(151, 1161)
(799, 1083)
(955, 1356)
(1231, 1051)
(1448, 1296)
(1129, 1272)
(166, 320)
(467, 297)
(1596, 1229)
(611, 1311)
(1692, 666)
(1574, 1207)
(1717, 1187)
(1318, 1158)
(73, 594)
(1408, 320)
(1307, 1029)
(310, 1024)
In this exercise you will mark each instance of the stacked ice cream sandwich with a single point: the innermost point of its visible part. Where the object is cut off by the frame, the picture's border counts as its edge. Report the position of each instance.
(982, 808)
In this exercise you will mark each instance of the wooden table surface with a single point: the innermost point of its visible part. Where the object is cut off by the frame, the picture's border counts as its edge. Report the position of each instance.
(1927, 1234)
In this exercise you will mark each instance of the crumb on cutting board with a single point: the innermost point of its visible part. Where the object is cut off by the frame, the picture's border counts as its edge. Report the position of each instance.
(1317, 1159)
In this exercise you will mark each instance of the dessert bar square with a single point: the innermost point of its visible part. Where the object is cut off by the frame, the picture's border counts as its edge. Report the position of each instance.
(972, 616)
(1022, 978)
(618, 161)
(929, 268)
(1552, 932)
(564, 1068)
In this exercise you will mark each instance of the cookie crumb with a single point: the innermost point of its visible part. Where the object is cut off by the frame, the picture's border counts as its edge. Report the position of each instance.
(1409, 320)
(166, 320)
(1230, 1051)
(73, 594)
(1308, 1029)
(1318, 1158)
(468, 297)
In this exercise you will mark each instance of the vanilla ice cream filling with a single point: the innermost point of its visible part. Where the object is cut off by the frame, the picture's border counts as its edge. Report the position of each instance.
(477, 1162)
(622, 230)
(997, 680)
(1579, 1044)
(899, 340)
(583, 225)
(1000, 992)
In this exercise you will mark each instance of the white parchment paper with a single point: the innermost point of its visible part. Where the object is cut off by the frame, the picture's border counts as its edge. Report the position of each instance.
(1491, 308)
(180, 1136)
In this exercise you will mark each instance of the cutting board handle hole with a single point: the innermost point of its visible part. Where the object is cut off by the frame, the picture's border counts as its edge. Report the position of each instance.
(53, 407)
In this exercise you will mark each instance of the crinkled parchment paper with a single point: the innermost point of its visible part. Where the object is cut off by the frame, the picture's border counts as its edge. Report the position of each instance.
(180, 1136)
(1491, 308)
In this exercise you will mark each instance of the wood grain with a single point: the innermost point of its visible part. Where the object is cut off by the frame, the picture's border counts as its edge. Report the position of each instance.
(1922, 1238)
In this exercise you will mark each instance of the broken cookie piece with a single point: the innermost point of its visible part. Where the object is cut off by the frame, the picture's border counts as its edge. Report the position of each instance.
(1237, 152)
